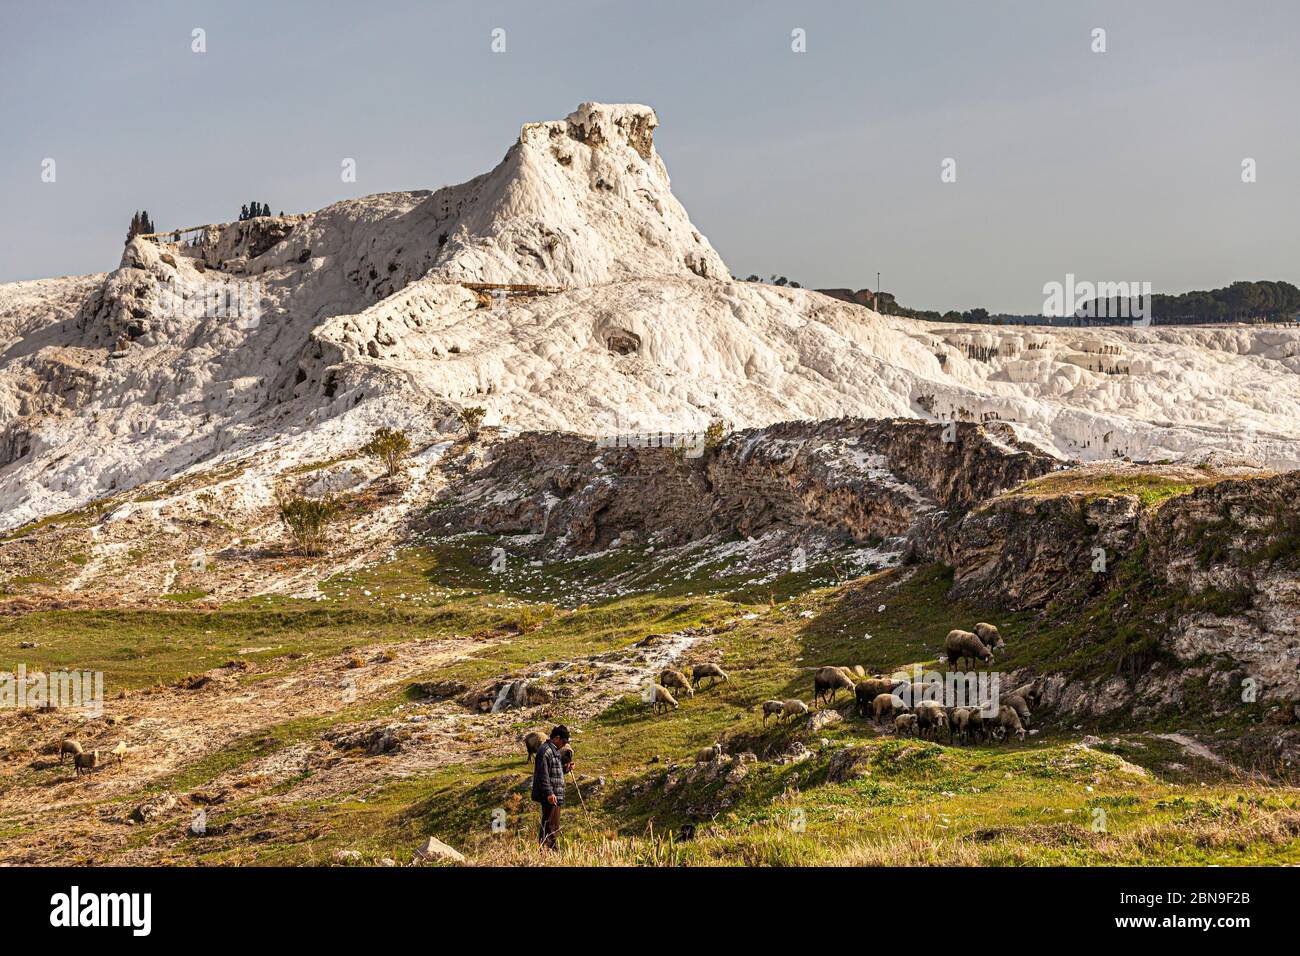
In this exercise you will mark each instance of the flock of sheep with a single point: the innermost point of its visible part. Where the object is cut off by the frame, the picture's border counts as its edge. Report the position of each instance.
(83, 761)
(909, 708)
(660, 698)
(914, 708)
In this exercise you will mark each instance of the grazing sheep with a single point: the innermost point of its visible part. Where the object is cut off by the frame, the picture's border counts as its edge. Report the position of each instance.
(989, 635)
(905, 724)
(958, 724)
(701, 671)
(70, 746)
(1031, 693)
(920, 691)
(86, 761)
(859, 671)
(793, 708)
(532, 743)
(1008, 721)
(965, 645)
(566, 757)
(671, 678)
(888, 705)
(660, 698)
(828, 681)
(772, 708)
(930, 718)
(1017, 703)
(709, 754)
(980, 725)
(119, 751)
(868, 690)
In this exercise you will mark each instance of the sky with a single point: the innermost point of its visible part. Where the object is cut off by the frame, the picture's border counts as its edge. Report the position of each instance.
(824, 165)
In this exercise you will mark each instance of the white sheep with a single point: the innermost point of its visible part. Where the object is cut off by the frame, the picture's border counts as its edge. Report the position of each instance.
(772, 708)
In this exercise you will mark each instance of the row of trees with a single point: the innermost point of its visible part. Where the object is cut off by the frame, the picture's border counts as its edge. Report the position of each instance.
(1241, 300)
(140, 224)
(254, 210)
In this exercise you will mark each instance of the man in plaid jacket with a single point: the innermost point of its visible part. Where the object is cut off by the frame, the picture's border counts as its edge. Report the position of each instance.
(548, 784)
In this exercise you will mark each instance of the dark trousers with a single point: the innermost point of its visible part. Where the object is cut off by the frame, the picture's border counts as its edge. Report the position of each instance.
(550, 826)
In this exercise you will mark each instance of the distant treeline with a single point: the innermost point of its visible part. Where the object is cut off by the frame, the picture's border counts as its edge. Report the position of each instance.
(1263, 301)
(1239, 302)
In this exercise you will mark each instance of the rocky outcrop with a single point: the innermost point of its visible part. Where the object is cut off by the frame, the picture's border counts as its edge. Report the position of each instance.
(854, 479)
(1021, 551)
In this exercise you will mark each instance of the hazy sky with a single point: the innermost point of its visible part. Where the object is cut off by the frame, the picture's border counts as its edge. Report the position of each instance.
(823, 166)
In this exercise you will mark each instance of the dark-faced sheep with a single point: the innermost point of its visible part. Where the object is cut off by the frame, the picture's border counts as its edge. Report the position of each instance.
(532, 743)
(701, 671)
(793, 708)
(660, 699)
(887, 706)
(989, 635)
(772, 708)
(868, 690)
(965, 645)
(672, 678)
(828, 681)
(86, 762)
(70, 747)
(905, 724)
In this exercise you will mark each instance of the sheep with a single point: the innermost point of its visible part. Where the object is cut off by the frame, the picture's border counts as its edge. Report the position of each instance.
(701, 671)
(988, 633)
(919, 691)
(772, 708)
(958, 724)
(793, 708)
(868, 690)
(119, 751)
(86, 761)
(859, 671)
(904, 723)
(532, 742)
(888, 705)
(979, 724)
(828, 681)
(1017, 703)
(660, 698)
(68, 746)
(963, 644)
(709, 754)
(1031, 693)
(930, 717)
(1008, 721)
(673, 678)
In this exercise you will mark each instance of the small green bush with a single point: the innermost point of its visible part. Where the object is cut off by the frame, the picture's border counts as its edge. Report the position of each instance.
(307, 520)
(472, 418)
(390, 447)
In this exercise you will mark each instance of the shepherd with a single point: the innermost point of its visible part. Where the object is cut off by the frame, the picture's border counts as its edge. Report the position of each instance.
(548, 784)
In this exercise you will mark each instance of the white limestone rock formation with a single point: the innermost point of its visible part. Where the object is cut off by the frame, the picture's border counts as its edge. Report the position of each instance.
(286, 339)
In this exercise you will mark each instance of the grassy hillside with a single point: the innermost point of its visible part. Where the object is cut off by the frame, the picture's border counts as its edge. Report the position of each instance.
(844, 793)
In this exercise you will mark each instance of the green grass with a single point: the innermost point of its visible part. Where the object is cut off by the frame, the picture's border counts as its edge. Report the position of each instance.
(1150, 489)
(917, 802)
